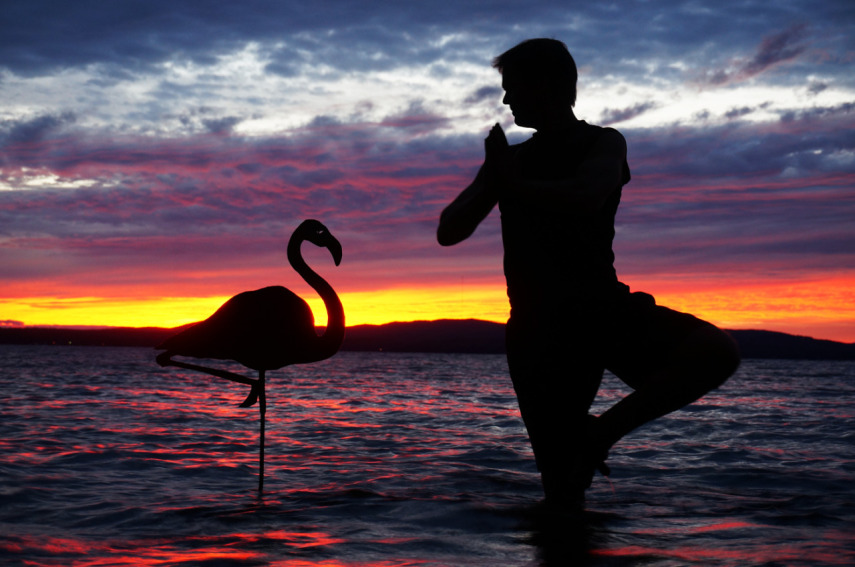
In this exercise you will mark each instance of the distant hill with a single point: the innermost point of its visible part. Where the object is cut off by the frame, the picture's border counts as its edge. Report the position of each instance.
(452, 336)
(107, 336)
(448, 335)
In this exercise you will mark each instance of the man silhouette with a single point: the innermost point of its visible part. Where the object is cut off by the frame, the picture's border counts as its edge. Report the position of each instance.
(571, 318)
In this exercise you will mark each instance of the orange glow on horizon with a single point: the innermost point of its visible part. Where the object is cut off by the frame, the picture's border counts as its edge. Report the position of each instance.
(487, 302)
(823, 308)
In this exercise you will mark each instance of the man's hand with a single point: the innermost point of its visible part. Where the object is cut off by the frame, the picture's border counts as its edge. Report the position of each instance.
(496, 144)
(460, 218)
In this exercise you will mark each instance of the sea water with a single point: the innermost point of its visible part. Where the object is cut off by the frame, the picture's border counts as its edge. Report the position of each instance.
(384, 459)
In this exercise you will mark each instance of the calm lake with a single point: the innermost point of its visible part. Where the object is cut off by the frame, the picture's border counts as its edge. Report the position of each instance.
(383, 459)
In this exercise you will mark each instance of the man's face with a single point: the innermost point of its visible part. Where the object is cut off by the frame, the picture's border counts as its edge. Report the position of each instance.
(527, 100)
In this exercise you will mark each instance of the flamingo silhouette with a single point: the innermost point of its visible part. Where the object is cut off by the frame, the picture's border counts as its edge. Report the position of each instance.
(266, 329)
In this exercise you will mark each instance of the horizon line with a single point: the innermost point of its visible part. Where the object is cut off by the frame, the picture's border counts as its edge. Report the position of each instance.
(4, 325)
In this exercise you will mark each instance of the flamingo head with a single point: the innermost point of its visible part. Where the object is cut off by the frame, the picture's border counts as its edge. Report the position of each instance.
(319, 235)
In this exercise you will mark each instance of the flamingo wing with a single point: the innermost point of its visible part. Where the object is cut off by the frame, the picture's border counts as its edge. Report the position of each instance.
(263, 329)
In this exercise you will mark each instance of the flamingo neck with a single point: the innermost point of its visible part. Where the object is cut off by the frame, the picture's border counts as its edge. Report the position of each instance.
(330, 341)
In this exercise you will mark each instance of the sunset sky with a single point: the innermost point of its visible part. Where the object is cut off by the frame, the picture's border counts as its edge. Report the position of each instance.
(155, 156)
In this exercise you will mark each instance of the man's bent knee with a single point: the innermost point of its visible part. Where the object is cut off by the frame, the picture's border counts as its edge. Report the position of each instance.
(713, 353)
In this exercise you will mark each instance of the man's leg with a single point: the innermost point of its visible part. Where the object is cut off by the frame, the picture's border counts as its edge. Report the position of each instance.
(701, 362)
(554, 390)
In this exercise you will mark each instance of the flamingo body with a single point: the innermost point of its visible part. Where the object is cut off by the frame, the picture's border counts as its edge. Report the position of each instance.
(249, 329)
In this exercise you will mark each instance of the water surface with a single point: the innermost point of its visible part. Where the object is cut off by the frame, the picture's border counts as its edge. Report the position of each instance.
(388, 459)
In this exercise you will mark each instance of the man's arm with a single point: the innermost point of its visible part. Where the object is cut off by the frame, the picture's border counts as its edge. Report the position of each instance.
(460, 219)
(598, 176)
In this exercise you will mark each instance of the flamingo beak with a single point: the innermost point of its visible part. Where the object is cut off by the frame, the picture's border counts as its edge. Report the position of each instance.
(334, 247)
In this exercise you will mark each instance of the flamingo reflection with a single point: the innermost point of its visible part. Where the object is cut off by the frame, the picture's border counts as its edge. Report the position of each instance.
(266, 329)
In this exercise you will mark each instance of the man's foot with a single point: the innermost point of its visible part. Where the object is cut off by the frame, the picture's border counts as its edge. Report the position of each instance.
(565, 487)
(593, 454)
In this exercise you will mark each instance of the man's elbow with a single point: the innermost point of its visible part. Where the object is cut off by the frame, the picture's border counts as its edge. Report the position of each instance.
(450, 233)
(445, 230)
(446, 237)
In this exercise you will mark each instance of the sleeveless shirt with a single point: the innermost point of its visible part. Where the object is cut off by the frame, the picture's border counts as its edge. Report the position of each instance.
(553, 256)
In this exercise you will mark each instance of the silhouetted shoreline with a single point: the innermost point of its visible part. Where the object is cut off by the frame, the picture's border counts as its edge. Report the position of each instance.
(443, 336)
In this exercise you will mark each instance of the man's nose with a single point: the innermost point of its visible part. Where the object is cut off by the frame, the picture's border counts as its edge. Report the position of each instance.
(506, 99)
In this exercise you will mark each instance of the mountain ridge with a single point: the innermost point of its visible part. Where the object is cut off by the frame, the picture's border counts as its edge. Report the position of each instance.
(440, 336)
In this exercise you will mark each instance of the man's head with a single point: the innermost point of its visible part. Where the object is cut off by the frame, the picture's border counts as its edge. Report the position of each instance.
(539, 78)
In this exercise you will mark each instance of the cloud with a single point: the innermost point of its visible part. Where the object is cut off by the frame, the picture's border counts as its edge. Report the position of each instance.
(774, 50)
(739, 112)
(34, 129)
(612, 116)
(816, 87)
(484, 93)
(207, 119)
(844, 111)
(415, 120)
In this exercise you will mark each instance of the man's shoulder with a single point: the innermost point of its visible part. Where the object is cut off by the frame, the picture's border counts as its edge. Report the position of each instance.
(607, 138)
(603, 130)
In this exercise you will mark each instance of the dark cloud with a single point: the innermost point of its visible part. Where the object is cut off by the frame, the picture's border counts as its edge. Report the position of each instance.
(775, 49)
(738, 112)
(816, 87)
(33, 129)
(485, 93)
(612, 116)
(744, 111)
(221, 125)
(845, 110)
(324, 121)
(206, 119)
(415, 119)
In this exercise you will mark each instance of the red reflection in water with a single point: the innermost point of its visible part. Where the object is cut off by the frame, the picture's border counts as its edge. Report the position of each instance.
(723, 526)
(669, 530)
(141, 553)
(297, 539)
(145, 553)
(825, 551)
(753, 555)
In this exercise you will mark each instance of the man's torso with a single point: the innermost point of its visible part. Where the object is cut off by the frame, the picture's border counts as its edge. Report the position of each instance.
(553, 256)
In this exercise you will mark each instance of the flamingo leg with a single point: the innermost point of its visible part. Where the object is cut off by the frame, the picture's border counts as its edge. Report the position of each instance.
(165, 360)
(262, 410)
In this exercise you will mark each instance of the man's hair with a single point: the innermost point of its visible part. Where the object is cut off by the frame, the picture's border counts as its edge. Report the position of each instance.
(542, 59)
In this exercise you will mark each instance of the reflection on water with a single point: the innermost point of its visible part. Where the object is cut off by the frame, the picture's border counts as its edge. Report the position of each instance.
(396, 459)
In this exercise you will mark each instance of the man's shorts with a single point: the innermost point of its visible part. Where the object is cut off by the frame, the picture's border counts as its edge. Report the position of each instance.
(640, 336)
